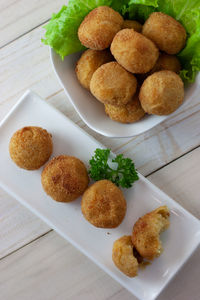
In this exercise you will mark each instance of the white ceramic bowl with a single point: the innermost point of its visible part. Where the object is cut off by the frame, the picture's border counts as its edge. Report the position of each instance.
(92, 111)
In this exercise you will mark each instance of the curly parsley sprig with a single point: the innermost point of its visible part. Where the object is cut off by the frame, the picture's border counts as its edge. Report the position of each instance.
(124, 175)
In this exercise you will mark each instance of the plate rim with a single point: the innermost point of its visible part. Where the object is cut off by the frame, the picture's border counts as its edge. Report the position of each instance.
(31, 94)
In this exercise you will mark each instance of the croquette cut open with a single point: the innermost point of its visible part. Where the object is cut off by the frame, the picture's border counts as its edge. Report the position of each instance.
(146, 231)
(123, 256)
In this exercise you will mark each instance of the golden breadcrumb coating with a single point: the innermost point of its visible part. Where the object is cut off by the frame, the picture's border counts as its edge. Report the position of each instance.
(99, 28)
(161, 93)
(30, 147)
(88, 63)
(132, 25)
(146, 231)
(123, 256)
(168, 34)
(164, 62)
(65, 178)
(133, 51)
(103, 204)
(128, 113)
(167, 62)
(112, 84)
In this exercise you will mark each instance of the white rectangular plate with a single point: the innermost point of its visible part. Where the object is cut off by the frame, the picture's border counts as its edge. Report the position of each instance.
(92, 111)
(179, 241)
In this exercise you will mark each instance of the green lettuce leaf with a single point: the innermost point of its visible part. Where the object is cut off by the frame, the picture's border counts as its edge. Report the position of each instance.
(61, 31)
(188, 14)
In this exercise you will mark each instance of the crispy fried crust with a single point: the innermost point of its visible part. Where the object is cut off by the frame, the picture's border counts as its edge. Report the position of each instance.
(30, 147)
(103, 204)
(146, 230)
(65, 178)
(162, 93)
(133, 51)
(123, 257)
(129, 113)
(164, 62)
(168, 34)
(88, 63)
(112, 84)
(167, 62)
(131, 24)
(99, 28)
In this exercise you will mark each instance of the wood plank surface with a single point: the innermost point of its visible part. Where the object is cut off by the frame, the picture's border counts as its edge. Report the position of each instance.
(46, 266)
(25, 64)
(21, 16)
(18, 226)
(53, 269)
(50, 268)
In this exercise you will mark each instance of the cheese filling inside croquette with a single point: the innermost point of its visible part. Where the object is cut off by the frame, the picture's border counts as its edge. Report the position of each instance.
(146, 231)
(123, 256)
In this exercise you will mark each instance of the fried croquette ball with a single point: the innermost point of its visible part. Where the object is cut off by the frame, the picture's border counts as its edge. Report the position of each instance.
(129, 113)
(65, 178)
(103, 204)
(167, 62)
(164, 62)
(89, 62)
(133, 51)
(99, 28)
(112, 84)
(146, 231)
(162, 93)
(132, 25)
(30, 147)
(123, 256)
(168, 34)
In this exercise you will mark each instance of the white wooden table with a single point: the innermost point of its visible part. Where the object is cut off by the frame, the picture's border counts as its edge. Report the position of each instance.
(36, 263)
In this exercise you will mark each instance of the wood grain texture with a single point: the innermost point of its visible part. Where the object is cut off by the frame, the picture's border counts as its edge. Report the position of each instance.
(18, 226)
(180, 180)
(50, 268)
(155, 148)
(19, 17)
(53, 269)
(25, 64)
